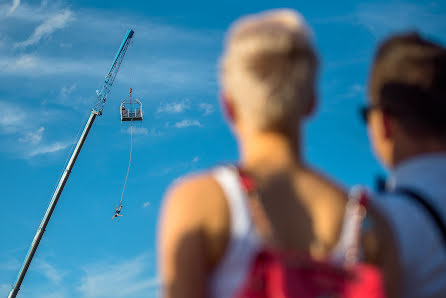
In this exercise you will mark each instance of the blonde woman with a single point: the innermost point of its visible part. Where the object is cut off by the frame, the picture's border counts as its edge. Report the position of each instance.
(209, 232)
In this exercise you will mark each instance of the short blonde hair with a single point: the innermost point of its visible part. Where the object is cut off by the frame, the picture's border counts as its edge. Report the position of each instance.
(269, 69)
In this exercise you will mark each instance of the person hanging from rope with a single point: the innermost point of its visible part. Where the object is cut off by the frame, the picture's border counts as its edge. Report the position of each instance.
(119, 207)
(117, 211)
(128, 114)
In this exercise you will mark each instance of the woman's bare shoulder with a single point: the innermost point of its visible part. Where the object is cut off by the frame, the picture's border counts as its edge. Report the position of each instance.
(198, 197)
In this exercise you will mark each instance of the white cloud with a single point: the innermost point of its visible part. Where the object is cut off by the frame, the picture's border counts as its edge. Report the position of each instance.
(188, 123)
(48, 148)
(25, 62)
(128, 278)
(146, 204)
(33, 137)
(155, 133)
(172, 73)
(27, 13)
(10, 265)
(137, 131)
(206, 108)
(53, 293)
(15, 4)
(5, 289)
(35, 66)
(13, 117)
(177, 168)
(165, 68)
(49, 271)
(51, 284)
(67, 90)
(27, 129)
(55, 22)
(384, 18)
(174, 107)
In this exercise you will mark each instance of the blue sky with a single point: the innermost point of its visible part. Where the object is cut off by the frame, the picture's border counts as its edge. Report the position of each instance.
(54, 55)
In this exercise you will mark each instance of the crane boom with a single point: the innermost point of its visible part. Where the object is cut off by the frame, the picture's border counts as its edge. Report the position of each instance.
(97, 110)
(111, 75)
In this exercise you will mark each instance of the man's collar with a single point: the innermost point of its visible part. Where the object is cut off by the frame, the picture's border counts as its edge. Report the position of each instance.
(418, 170)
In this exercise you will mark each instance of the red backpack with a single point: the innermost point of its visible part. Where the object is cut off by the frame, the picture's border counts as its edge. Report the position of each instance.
(279, 274)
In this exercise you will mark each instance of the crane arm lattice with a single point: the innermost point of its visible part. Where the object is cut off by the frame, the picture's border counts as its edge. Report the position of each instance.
(111, 75)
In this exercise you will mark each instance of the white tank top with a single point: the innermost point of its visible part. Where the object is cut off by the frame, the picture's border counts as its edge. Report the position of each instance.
(245, 243)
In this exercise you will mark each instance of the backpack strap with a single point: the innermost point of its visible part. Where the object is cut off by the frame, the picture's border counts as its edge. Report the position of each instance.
(347, 250)
(416, 197)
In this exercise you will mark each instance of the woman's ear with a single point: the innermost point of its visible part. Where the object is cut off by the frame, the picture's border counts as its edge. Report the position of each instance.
(228, 107)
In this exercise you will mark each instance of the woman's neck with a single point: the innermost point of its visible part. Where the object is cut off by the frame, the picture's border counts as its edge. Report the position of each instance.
(270, 150)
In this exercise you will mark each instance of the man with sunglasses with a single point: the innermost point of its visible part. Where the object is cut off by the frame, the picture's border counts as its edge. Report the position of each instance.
(406, 119)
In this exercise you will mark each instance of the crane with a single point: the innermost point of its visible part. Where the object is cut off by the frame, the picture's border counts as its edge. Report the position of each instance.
(96, 111)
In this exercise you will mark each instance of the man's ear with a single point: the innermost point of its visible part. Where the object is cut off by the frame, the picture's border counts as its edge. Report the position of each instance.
(311, 107)
(388, 125)
(228, 107)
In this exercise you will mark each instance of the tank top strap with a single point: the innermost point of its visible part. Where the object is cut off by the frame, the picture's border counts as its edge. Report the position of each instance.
(228, 178)
(243, 242)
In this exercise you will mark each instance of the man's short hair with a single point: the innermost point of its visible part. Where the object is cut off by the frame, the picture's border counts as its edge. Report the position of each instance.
(408, 81)
(269, 69)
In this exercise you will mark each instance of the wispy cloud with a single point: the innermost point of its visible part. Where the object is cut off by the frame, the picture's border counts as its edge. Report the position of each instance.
(177, 168)
(48, 148)
(137, 131)
(24, 126)
(146, 204)
(153, 132)
(15, 4)
(55, 22)
(25, 62)
(51, 282)
(36, 66)
(165, 68)
(12, 118)
(172, 73)
(188, 123)
(384, 18)
(10, 264)
(206, 108)
(27, 12)
(124, 278)
(33, 137)
(67, 90)
(5, 289)
(174, 107)
(49, 271)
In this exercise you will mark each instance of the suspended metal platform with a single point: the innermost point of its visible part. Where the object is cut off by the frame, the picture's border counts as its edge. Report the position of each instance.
(131, 109)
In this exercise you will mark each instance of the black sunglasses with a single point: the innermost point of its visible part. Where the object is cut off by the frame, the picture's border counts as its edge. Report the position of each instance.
(364, 112)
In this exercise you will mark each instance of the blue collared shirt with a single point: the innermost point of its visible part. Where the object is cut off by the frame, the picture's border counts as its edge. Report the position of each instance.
(421, 246)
